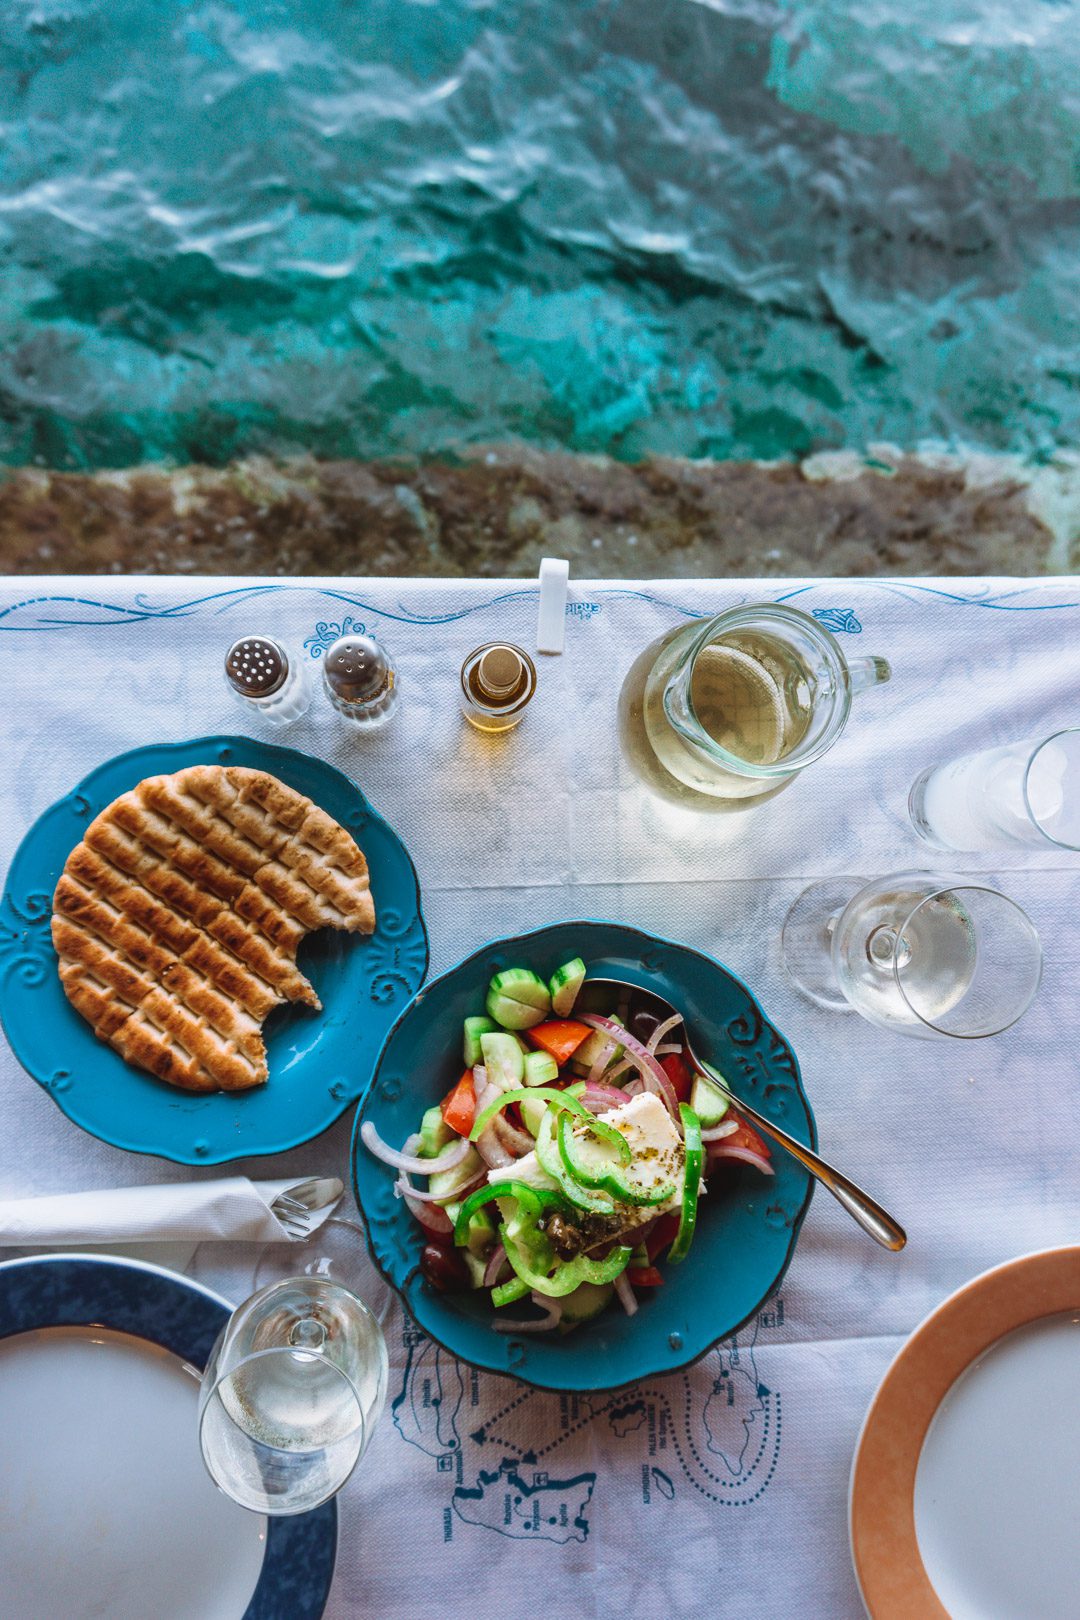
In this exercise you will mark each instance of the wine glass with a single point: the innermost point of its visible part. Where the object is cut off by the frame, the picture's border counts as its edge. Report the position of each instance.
(919, 952)
(291, 1393)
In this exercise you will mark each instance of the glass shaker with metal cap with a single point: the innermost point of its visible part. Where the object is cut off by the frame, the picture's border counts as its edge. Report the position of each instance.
(497, 681)
(360, 680)
(261, 676)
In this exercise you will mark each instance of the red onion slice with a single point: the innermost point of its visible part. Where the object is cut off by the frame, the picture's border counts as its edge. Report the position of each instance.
(626, 1294)
(652, 1074)
(491, 1150)
(403, 1185)
(634, 1087)
(598, 1097)
(496, 1266)
(553, 1307)
(517, 1143)
(447, 1160)
(716, 1133)
(744, 1156)
(603, 1058)
(432, 1217)
(668, 1050)
(661, 1030)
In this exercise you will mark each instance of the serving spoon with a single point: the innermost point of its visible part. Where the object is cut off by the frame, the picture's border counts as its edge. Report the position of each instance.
(599, 995)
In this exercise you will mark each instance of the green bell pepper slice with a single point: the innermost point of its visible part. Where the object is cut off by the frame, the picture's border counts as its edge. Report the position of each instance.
(567, 1275)
(609, 1180)
(547, 1151)
(548, 1094)
(557, 1099)
(506, 1293)
(691, 1183)
(532, 1201)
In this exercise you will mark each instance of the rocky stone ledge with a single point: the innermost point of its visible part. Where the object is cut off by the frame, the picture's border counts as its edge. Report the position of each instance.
(498, 511)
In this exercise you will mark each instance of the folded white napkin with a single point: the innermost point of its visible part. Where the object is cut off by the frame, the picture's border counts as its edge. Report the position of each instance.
(233, 1209)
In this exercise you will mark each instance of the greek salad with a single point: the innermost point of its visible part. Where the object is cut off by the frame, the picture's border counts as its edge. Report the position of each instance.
(568, 1158)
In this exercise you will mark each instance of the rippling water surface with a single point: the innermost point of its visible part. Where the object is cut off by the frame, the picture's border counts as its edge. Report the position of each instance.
(708, 227)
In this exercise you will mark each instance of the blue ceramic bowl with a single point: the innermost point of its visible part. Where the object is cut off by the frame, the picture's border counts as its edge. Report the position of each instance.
(319, 1061)
(748, 1224)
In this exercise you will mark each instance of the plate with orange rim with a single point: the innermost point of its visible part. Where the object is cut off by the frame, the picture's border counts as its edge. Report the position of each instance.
(965, 1489)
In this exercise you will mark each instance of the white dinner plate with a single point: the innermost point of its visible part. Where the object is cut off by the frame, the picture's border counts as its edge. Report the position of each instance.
(106, 1509)
(965, 1491)
(100, 1429)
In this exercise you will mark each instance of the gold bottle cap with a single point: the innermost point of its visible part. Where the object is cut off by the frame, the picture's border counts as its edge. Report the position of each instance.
(499, 672)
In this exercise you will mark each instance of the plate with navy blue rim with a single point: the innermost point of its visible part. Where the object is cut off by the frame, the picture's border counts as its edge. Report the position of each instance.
(748, 1223)
(130, 1296)
(319, 1062)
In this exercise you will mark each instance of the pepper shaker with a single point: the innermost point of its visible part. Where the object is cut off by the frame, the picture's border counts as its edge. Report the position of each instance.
(360, 680)
(261, 676)
(497, 681)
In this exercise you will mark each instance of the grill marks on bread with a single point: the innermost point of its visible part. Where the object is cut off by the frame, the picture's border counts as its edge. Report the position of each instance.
(178, 917)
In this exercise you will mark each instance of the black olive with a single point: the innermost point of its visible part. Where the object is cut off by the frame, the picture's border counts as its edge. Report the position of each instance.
(443, 1267)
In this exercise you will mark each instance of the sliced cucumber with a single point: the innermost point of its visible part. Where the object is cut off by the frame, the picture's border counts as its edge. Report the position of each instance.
(475, 1267)
(540, 1068)
(481, 1238)
(587, 1301)
(522, 984)
(590, 1049)
(533, 1110)
(504, 1061)
(564, 986)
(435, 1133)
(474, 1028)
(445, 1183)
(709, 1103)
(513, 1014)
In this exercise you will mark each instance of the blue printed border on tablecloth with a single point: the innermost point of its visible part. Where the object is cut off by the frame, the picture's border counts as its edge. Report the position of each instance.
(52, 613)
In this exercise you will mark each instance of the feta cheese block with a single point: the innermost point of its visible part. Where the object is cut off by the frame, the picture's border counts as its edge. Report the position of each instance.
(658, 1160)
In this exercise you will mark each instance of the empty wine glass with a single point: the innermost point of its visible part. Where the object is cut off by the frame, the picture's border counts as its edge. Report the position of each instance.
(920, 952)
(290, 1395)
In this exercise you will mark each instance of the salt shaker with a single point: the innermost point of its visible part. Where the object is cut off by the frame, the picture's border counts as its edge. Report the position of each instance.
(497, 681)
(262, 676)
(360, 680)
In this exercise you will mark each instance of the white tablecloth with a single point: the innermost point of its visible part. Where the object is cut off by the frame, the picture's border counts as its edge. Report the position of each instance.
(724, 1490)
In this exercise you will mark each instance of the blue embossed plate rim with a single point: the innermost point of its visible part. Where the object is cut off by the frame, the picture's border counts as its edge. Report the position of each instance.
(625, 1349)
(133, 1296)
(119, 1104)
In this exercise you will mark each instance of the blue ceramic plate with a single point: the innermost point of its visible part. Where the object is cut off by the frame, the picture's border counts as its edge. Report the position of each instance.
(164, 1309)
(748, 1224)
(319, 1062)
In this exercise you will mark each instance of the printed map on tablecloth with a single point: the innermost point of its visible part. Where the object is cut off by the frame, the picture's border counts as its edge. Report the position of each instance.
(714, 1429)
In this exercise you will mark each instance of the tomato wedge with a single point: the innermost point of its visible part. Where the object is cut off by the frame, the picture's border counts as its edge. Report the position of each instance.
(559, 1036)
(679, 1073)
(644, 1277)
(459, 1105)
(744, 1137)
(662, 1235)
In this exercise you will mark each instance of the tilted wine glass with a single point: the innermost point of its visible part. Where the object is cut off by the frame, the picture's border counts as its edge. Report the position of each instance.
(922, 953)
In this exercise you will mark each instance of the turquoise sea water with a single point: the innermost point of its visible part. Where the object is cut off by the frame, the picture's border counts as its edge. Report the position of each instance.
(707, 227)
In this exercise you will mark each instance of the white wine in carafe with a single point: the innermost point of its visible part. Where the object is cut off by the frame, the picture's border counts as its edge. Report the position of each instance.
(751, 694)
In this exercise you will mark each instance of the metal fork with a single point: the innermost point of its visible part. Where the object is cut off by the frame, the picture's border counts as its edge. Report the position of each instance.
(297, 1209)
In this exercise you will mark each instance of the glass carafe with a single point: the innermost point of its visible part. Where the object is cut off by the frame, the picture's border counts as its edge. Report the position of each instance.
(721, 713)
